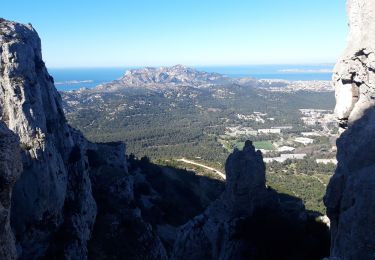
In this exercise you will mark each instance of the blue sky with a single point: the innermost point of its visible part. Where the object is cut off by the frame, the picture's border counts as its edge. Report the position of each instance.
(93, 33)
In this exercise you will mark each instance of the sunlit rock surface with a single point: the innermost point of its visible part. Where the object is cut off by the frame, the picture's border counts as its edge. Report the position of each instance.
(354, 76)
(350, 197)
(53, 207)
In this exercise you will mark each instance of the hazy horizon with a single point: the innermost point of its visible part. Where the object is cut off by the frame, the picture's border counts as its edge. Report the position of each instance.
(89, 77)
(192, 65)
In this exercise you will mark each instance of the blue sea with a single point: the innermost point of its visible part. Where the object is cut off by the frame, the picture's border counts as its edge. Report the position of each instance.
(76, 78)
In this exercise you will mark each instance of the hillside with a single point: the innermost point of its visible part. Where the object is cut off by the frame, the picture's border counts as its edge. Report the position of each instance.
(190, 117)
(205, 122)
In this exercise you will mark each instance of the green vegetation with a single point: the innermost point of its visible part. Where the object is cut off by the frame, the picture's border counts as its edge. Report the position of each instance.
(264, 145)
(161, 127)
(192, 123)
(304, 179)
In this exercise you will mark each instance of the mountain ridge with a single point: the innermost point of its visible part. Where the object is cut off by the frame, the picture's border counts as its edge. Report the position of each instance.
(166, 77)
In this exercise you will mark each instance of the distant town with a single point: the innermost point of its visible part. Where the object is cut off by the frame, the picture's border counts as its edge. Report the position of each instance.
(288, 143)
(279, 85)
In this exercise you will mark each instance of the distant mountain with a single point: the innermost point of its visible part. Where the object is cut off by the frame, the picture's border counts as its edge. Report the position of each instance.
(166, 77)
(178, 76)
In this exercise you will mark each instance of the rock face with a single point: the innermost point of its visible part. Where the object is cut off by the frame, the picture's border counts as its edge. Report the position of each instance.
(208, 236)
(56, 199)
(120, 230)
(54, 190)
(354, 73)
(250, 220)
(10, 169)
(350, 197)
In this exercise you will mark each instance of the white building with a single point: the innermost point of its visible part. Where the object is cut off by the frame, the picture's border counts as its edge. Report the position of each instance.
(295, 156)
(269, 131)
(326, 161)
(284, 157)
(286, 149)
(304, 140)
(283, 127)
(310, 134)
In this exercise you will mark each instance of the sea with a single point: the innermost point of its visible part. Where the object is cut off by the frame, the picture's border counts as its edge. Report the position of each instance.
(76, 78)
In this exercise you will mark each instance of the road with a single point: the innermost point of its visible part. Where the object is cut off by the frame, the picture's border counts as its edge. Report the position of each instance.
(222, 175)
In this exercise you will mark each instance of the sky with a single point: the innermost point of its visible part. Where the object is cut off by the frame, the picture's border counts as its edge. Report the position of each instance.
(123, 33)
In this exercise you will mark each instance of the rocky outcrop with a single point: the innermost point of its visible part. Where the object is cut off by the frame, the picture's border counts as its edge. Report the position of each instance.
(53, 196)
(350, 197)
(10, 169)
(251, 221)
(209, 235)
(65, 180)
(354, 75)
(120, 230)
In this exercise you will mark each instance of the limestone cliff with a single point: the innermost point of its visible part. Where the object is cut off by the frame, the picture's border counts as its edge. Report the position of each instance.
(10, 169)
(354, 75)
(54, 189)
(350, 197)
(53, 209)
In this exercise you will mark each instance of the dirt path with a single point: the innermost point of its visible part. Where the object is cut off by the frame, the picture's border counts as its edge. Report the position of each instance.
(222, 175)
